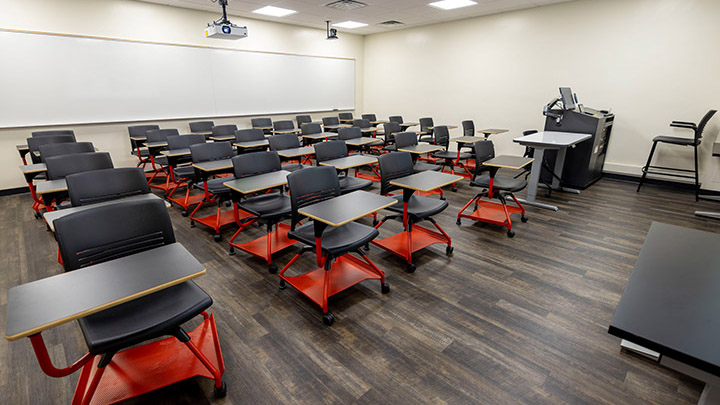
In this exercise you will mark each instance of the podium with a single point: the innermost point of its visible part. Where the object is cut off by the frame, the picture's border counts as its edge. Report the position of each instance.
(584, 162)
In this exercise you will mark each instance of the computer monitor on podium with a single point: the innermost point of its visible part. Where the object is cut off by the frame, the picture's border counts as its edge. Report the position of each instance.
(568, 100)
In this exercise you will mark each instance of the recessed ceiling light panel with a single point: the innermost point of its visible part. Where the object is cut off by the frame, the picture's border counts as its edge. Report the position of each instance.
(274, 11)
(452, 4)
(350, 24)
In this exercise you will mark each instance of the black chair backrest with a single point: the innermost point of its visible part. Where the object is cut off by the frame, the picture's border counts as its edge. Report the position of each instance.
(223, 130)
(468, 128)
(442, 136)
(308, 129)
(403, 139)
(361, 123)
(284, 124)
(302, 119)
(261, 122)
(53, 132)
(369, 117)
(252, 164)
(58, 167)
(529, 151)
(184, 141)
(34, 144)
(206, 152)
(112, 231)
(393, 166)
(68, 148)
(391, 128)
(284, 141)
(309, 186)
(160, 135)
(249, 134)
(396, 118)
(107, 184)
(140, 130)
(484, 151)
(330, 121)
(201, 126)
(701, 126)
(349, 133)
(425, 123)
(330, 150)
(345, 116)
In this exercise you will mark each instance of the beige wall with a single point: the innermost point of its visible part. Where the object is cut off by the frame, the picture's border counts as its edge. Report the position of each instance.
(651, 61)
(150, 22)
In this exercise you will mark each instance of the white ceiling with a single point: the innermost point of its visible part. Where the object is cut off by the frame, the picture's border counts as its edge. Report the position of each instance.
(313, 13)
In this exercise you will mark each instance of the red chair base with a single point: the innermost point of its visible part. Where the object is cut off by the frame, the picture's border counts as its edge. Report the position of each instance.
(422, 237)
(492, 212)
(145, 368)
(265, 246)
(188, 200)
(219, 219)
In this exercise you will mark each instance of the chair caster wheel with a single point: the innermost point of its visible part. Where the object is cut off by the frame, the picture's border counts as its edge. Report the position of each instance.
(220, 392)
(217, 237)
(367, 247)
(38, 215)
(410, 268)
(232, 251)
(192, 224)
(547, 195)
(510, 234)
(184, 213)
(458, 222)
(272, 269)
(282, 285)
(523, 218)
(385, 288)
(375, 222)
(454, 189)
(228, 203)
(449, 250)
(328, 319)
(442, 198)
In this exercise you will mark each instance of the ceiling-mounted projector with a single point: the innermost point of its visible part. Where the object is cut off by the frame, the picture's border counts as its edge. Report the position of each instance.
(223, 28)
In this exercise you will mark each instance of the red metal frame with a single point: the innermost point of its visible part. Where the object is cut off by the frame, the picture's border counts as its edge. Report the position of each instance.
(219, 218)
(265, 246)
(492, 212)
(141, 369)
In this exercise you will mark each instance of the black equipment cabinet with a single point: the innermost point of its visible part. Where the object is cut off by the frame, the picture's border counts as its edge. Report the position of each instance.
(584, 162)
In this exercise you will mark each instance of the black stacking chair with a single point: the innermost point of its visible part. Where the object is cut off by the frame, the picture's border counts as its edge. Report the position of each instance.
(249, 135)
(426, 130)
(494, 187)
(468, 127)
(265, 124)
(269, 208)
(334, 150)
(36, 134)
(213, 189)
(675, 140)
(419, 208)
(345, 134)
(59, 149)
(283, 126)
(330, 244)
(302, 119)
(224, 131)
(391, 129)
(114, 231)
(59, 167)
(136, 147)
(449, 158)
(34, 144)
(330, 121)
(159, 162)
(396, 118)
(102, 185)
(364, 124)
(369, 117)
(310, 129)
(181, 171)
(405, 139)
(202, 127)
(287, 141)
(345, 117)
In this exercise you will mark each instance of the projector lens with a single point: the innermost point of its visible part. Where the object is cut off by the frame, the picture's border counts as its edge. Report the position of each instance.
(226, 29)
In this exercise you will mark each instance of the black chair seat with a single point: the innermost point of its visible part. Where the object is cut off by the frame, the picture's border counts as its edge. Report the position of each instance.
(500, 183)
(145, 318)
(267, 205)
(390, 148)
(215, 186)
(337, 241)
(63, 205)
(184, 172)
(161, 160)
(143, 152)
(423, 167)
(291, 167)
(426, 138)
(419, 206)
(349, 184)
(675, 140)
(449, 154)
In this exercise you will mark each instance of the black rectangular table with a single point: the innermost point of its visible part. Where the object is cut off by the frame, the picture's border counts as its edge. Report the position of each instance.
(671, 304)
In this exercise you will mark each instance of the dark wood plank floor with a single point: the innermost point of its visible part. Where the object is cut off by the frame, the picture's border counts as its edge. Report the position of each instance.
(502, 321)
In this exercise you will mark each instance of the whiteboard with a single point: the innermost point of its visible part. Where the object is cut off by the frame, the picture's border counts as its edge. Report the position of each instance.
(48, 79)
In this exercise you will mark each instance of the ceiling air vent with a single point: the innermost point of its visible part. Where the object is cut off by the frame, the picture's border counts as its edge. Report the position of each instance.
(346, 5)
(391, 22)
